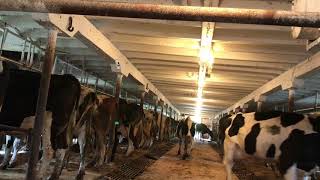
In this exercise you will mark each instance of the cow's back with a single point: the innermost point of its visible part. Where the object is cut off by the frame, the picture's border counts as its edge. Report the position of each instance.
(22, 93)
(262, 134)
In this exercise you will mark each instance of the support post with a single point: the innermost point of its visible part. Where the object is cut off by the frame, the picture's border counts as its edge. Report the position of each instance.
(259, 106)
(3, 39)
(87, 78)
(41, 104)
(316, 101)
(291, 93)
(156, 106)
(105, 86)
(96, 84)
(142, 99)
(260, 99)
(160, 131)
(245, 108)
(113, 140)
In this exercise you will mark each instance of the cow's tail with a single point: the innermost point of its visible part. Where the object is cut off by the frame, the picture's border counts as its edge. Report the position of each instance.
(73, 116)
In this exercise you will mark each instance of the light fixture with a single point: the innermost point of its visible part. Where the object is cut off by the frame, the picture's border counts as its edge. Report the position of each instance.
(206, 60)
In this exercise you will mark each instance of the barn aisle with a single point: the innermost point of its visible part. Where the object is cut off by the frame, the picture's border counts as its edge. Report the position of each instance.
(205, 164)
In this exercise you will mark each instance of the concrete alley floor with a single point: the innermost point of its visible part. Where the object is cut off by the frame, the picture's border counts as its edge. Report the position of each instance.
(204, 164)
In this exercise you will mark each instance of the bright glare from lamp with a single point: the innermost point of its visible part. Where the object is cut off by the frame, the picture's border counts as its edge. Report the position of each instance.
(206, 55)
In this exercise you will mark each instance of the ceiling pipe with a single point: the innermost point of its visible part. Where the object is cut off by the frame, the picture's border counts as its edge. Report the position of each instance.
(149, 11)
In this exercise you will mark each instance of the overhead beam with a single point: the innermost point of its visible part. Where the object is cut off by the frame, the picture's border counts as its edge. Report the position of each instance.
(285, 79)
(231, 62)
(148, 11)
(236, 56)
(87, 33)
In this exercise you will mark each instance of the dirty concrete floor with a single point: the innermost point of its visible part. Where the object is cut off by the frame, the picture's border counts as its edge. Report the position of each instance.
(204, 164)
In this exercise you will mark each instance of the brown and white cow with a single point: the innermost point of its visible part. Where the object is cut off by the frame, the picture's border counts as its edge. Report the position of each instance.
(131, 115)
(289, 138)
(104, 114)
(149, 124)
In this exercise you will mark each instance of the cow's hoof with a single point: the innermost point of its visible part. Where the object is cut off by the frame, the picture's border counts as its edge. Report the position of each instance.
(12, 165)
(53, 177)
(186, 157)
(91, 164)
(4, 166)
(80, 175)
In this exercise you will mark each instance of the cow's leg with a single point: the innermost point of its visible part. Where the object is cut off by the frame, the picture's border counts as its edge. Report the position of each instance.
(82, 143)
(47, 150)
(17, 144)
(229, 151)
(187, 147)
(130, 142)
(60, 154)
(7, 152)
(180, 143)
(143, 140)
(101, 149)
(151, 141)
(291, 173)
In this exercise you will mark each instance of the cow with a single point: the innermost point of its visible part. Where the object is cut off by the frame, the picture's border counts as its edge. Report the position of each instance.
(185, 132)
(104, 114)
(166, 128)
(149, 123)
(20, 101)
(162, 125)
(173, 126)
(203, 129)
(87, 105)
(131, 116)
(288, 138)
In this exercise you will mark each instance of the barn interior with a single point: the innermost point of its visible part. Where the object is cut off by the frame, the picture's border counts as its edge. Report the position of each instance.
(177, 67)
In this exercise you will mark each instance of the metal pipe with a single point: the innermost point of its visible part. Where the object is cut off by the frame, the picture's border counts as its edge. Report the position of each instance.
(32, 56)
(22, 52)
(160, 131)
(316, 102)
(149, 11)
(41, 104)
(96, 84)
(3, 39)
(259, 106)
(29, 54)
(142, 99)
(11, 128)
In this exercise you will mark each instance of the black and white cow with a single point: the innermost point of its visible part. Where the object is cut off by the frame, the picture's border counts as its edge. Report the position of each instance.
(20, 101)
(289, 138)
(185, 132)
(203, 129)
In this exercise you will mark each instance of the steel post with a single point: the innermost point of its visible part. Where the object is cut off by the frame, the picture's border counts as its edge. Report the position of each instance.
(41, 104)
(291, 100)
(316, 102)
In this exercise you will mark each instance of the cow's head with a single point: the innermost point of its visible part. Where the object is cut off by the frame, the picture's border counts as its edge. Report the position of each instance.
(314, 119)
